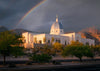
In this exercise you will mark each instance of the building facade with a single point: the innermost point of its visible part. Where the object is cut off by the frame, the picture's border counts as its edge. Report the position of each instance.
(56, 35)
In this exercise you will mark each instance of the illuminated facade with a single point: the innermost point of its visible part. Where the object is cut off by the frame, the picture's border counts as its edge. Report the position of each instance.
(56, 33)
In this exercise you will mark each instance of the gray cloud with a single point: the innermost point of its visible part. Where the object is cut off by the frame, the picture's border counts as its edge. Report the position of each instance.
(11, 11)
(74, 14)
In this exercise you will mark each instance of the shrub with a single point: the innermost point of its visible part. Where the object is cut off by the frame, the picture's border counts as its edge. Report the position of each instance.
(41, 58)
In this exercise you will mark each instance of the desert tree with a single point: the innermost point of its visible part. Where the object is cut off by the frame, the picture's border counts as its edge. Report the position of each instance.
(78, 50)
(8, 41)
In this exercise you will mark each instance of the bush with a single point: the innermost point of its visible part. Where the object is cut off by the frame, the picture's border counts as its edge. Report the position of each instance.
(56, 62)
(12, 65)
(41, 58)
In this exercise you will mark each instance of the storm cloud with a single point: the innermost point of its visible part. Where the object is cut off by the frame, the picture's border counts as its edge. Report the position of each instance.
(11, 11)
(75, 15)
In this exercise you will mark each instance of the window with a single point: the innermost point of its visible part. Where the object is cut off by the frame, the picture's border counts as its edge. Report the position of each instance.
(58, 41)
(48, 41)
(77, 40)
(40, 41)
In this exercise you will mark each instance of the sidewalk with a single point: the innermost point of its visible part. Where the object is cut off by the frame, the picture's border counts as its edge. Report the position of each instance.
(54, 58)
(48, 66)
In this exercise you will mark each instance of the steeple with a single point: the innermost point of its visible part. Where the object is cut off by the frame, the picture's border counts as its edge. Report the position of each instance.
(57, 27)
(56, 18)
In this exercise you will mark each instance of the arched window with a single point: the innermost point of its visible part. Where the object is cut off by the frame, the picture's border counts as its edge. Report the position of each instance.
(77, 40)
(48, 41)
(40, 41)
(58, 41)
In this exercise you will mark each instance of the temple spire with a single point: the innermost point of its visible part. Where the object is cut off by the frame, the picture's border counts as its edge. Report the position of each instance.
(56, 18)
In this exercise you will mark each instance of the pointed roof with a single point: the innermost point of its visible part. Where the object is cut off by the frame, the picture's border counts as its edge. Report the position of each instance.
(57, 24)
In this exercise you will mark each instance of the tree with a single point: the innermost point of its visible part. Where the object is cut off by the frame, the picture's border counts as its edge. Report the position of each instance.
(57, 47)
(76, 43)
(44, 39)
(8, 40)
(96, 49)
(17, 51)
(77, 50)
(88, 51)
(47, 49)
(35, 50)
(52, 40)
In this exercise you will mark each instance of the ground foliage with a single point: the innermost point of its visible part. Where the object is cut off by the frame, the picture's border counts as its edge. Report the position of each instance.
(78, 50)
(41, 58)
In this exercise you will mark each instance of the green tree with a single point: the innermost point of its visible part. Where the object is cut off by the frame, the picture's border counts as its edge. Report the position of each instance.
(35, 50)
(96, 49)
(47, 49)
(77, 50)
(8, 40)
(41, 58)
(57, 47)
(88, 51)
(17, 51)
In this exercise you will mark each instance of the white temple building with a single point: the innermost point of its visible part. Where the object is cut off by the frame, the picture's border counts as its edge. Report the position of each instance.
(57, 33)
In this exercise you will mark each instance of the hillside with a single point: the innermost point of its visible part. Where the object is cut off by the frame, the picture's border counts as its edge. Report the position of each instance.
(3, 29)
(91, 33)
(20, 31)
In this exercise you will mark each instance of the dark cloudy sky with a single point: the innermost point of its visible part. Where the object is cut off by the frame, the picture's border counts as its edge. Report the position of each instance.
(74, 14)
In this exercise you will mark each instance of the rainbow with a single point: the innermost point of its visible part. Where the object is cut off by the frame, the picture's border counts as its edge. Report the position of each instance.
(40, 3)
